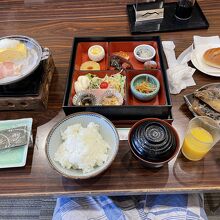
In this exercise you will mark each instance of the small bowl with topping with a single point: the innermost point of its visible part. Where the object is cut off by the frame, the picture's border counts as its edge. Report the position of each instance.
(96, 53)
(145, 87)
(144, 52)
(111, 97)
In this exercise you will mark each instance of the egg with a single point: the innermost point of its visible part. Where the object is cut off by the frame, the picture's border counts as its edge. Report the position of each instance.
(12, 50)
(96, 53)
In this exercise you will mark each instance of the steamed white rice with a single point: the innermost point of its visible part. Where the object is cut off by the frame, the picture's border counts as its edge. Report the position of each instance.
(82, 148)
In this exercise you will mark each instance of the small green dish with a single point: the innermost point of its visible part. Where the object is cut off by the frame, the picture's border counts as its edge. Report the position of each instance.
(139, 79)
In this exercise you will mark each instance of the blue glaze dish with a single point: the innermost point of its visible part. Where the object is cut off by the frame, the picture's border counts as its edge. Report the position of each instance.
(139, 79)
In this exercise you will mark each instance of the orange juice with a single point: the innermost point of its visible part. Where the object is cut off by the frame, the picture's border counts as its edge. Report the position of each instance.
(197, 143)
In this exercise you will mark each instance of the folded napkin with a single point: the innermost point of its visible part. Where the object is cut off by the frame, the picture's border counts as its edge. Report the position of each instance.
(198, 40)
(179, 73)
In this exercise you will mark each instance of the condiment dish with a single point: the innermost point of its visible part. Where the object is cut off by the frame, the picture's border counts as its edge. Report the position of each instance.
(144, 52)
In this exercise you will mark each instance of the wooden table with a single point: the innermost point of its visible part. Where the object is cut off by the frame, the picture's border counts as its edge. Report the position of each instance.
(54, 24)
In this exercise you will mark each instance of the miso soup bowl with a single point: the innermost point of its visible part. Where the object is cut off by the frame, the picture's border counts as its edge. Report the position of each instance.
(136, 147)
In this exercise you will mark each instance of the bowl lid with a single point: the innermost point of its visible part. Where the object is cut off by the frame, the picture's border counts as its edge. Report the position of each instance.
(153, 141)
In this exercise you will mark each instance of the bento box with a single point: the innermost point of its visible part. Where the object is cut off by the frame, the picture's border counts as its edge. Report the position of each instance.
(116, 60)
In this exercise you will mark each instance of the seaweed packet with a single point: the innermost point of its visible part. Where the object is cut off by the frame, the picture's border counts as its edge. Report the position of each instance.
(13, 137)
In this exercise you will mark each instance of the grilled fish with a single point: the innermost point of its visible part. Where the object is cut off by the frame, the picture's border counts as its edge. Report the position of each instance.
(204, 110)
(210, 96)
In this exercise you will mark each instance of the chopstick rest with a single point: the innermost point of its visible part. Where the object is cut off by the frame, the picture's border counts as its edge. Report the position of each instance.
(13, 137)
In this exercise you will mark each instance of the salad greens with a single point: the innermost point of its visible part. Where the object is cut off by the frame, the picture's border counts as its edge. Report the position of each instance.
(116, 81)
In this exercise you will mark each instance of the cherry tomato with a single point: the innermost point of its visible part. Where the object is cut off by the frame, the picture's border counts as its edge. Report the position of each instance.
(104, 85)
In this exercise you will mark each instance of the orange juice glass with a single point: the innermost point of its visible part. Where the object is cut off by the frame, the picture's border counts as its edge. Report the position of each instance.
(202, 134)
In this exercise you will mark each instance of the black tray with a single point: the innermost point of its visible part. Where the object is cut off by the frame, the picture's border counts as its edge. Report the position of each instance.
(169, 22)
(29, 86)
(119, 112)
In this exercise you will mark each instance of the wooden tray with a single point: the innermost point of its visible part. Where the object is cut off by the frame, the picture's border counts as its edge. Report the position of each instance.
(38, 99)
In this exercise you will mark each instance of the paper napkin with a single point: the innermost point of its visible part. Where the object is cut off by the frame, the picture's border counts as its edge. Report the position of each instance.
(198, 40)
(179, 73)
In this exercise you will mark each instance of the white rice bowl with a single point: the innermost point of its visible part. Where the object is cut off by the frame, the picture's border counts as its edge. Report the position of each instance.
(85, 158)
(82, 148)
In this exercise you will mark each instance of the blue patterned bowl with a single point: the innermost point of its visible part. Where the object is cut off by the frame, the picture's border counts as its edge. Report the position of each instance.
(144, 96)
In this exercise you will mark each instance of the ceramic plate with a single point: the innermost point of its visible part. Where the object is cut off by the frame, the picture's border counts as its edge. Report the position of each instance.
(107, 130)
(15, 157)
(203, 69)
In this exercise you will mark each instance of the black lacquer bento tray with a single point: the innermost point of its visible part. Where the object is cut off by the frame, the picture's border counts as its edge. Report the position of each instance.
(159, 107)
(169, 22)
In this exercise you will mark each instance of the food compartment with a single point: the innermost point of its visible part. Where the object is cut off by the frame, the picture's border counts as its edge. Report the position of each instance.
(81, 55)
(159, 100)
(97, 85)
(126, 50)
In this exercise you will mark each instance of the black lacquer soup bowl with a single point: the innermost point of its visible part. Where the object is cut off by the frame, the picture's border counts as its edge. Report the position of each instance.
(153, 141)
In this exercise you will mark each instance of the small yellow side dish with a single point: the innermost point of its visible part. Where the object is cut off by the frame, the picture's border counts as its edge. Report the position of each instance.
(96, 53)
